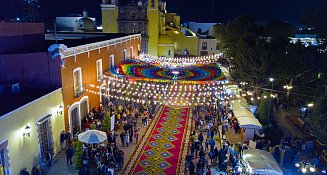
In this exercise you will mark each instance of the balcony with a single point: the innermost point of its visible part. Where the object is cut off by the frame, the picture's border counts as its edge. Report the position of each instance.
(80, 91)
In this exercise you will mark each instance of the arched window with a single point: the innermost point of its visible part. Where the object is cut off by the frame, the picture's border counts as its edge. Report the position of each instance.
(186, 52)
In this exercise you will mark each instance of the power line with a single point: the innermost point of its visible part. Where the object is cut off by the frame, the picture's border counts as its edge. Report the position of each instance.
(268, 89)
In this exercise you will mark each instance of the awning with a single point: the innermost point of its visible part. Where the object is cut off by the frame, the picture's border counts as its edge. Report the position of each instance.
(261, 162)
(249, 123)
(244, 115)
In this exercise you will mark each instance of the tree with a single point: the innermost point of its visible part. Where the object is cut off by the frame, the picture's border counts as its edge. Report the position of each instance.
(240, 41)
(106, 121)
(79, 155)
(318, 117)
(263, 108)
(296, 61)
(249, 51)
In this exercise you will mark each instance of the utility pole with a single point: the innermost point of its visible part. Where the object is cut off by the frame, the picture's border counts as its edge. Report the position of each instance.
(271, 90)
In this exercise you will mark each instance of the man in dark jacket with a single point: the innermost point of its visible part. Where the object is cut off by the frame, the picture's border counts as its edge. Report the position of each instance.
(191, 168)
(122, 138)
(69, 155)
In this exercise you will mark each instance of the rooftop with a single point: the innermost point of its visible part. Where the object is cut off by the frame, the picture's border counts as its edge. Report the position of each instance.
(41, 42)
(9, 102)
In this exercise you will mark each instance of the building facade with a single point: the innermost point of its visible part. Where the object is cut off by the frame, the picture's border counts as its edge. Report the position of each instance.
(132, 18)
(84, 65)
(205, 31)
(19, 148)
(208, 46)
(161, 31)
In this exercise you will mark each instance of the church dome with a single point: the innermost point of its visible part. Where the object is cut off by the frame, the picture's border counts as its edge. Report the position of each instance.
(86, 24)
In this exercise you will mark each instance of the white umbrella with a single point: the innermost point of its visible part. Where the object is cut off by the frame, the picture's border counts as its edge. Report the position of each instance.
(92, 136)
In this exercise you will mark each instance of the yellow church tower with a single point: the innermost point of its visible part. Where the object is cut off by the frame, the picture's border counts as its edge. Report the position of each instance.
(109, 16)
(153, 26)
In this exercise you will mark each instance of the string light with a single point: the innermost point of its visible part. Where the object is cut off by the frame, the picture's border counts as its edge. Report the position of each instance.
(178, 61)
(161, 93)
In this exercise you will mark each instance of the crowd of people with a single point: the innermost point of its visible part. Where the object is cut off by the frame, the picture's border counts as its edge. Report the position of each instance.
(209, 147)
(108, 157)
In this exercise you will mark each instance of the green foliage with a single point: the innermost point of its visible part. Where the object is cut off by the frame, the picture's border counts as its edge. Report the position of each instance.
(263, 108)
(92, 126)
(318, 117)
(106, 121)
(79, 155)
(257, 52)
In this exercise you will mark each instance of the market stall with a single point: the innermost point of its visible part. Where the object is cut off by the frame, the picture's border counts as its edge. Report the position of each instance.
(260, 162)
(245, 118)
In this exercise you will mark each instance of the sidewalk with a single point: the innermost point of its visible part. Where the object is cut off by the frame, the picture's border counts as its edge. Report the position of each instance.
(59, 166)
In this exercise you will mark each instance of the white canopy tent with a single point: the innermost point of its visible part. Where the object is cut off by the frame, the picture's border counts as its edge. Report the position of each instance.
(242, 112)
(245, 118)
(249, 123)
(261, 162)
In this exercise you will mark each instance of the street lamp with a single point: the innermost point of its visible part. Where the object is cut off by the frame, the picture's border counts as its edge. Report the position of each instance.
(272, 86)
(310, 105)
(288, 88)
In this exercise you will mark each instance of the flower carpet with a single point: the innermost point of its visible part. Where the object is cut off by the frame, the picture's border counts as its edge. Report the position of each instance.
(163, 151)
(208, 72)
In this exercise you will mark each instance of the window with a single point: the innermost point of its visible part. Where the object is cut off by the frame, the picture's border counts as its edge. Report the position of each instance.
(124, 54)
(168, 52)
(204, 45)
(112, 61)
(4, 158)
(138, 50)
(77, 76)
(45, 137)
(99, 68)
(131, 52)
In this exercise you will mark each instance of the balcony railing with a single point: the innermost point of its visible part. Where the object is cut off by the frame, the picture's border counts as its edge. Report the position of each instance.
(79, 92)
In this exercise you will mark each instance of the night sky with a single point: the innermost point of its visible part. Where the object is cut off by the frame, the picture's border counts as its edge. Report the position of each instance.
(189, 10)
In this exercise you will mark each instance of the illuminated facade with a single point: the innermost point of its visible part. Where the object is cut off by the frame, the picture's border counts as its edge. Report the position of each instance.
(84, 65)
(161, 31)
(27, 147)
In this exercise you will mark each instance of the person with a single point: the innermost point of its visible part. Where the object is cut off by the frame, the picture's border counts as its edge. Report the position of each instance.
(200, 137)
(74, 144)
(69, 155)
(35, 171)
(120, 159)
(208, 161)
(62, 140)
(127, 139)
(206, 145)
(122, 138)
(199, 167)
(212, 143)
(191, 168)
(136, 135)
(24, 172)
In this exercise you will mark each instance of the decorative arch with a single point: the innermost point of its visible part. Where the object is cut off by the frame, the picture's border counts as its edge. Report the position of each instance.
(87, 109)
(71, 108)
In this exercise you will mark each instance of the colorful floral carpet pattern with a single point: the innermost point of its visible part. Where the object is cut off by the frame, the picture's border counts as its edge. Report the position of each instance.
(208, 72)
(165, 145)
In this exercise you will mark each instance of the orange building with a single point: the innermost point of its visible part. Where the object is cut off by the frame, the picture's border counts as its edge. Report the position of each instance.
(84, 65)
